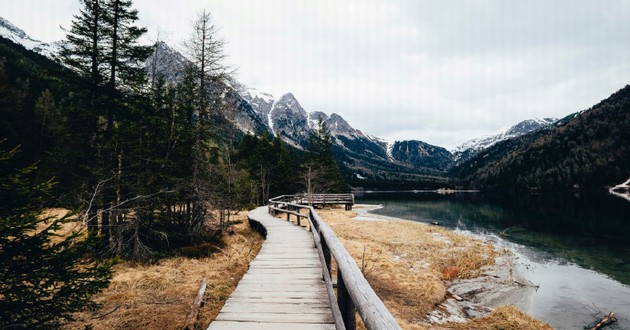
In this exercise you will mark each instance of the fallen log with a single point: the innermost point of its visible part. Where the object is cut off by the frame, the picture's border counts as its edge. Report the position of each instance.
(189, 324)
(607, 320)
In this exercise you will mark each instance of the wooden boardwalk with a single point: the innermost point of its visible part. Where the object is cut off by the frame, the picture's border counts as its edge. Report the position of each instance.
(283, 288)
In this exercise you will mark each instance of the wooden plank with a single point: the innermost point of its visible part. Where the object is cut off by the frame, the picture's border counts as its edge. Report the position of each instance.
(291, 286)
(273, 308)
(231, 325)
(278, 294)
(279, 300)
(283, 288)
(276, 318)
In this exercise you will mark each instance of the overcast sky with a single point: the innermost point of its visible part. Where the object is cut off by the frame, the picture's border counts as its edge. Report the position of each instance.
(439, 71)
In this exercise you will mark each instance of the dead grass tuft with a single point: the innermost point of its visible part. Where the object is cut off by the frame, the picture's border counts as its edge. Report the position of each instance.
(502, 318)
(158, 296)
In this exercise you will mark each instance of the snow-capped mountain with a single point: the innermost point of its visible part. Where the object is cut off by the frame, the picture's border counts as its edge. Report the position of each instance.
(362, 157)
(261, 103)
(18, 36)
(472, 147)
(289, 121)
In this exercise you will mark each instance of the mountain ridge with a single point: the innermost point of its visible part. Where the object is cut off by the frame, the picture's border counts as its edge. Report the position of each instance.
(365, 160)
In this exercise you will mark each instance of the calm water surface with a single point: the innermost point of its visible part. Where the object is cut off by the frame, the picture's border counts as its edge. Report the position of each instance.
(575, 246)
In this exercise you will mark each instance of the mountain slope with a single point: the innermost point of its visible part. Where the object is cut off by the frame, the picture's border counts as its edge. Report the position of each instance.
(471, 148)
(18, 36)
(289, 121)
(420, 154)
(586, 149)
(170, 65)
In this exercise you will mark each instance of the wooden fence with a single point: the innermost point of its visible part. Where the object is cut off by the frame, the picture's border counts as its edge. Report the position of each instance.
(354, 293)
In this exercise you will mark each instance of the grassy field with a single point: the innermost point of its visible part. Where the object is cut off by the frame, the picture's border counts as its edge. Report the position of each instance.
(158, 296)
(408, 264)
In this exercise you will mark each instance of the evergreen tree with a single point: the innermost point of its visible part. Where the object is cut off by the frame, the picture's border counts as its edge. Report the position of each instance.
(320, 170)
(41, 281)
(206, 55)
(272, 165)
(84, 49)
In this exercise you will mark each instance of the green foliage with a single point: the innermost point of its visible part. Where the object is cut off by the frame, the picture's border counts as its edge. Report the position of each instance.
(271, 164)
(41, 282)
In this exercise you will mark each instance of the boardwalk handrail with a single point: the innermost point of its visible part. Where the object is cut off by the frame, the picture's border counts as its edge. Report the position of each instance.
(353, 290)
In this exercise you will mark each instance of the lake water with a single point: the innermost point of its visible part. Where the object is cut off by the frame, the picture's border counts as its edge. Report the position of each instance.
(575, 246)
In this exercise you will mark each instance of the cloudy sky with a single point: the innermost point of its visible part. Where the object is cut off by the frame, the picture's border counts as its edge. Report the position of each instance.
(440, 71)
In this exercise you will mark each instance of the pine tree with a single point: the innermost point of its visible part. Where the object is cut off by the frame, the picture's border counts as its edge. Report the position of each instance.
(84, 49)
(321, 172)
(41, 282)
(206, 55)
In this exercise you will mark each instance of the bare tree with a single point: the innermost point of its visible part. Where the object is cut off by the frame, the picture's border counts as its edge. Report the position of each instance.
(205, 50)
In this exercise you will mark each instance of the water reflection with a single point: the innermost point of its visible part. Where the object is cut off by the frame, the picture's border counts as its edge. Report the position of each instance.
(588, 229)
(576, 247)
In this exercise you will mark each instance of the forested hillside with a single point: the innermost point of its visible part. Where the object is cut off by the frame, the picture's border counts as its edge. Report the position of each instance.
(587, 150)
(148, 164)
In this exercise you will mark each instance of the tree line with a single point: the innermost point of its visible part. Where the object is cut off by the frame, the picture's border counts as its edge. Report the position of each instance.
(587, 150)
(141, 160)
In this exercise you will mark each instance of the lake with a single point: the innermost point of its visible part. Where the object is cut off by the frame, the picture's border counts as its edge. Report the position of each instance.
(576, 246)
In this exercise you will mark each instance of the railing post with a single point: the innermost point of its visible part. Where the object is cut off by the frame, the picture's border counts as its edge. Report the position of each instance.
(346, 306)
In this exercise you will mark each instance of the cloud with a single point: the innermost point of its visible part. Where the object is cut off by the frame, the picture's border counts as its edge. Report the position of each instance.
(439, 71)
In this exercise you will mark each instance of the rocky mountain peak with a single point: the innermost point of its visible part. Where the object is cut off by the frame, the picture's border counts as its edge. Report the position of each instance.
(289, 121)
(12, 30)
(165, 62)
(472, 147)
(314, 117)
(336, 123)
(18, 36)
(529, 125)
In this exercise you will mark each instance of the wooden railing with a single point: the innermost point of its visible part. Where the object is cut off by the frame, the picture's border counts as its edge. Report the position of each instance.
(354, 293)
(323, 199)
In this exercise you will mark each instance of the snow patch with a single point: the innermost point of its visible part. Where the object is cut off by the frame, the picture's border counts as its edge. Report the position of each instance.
(360, 177)
(269, 120)
(502, 134)
(18, 36)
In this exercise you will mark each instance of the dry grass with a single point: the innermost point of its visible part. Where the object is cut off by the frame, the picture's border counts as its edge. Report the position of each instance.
(503, 318)
(158, 296)
(66, 229)
(407, 263)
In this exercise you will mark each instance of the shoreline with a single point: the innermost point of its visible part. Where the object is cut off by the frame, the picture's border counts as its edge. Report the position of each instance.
(496, 285)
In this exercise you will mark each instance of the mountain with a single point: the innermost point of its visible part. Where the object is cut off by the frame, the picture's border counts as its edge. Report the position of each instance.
(166, 63)
(420, 154)
(588, 149)
(533, 153)
(289, 121)
(170, 65)
(471, 148)
(18, 36)
(261, 103)
(365, 160)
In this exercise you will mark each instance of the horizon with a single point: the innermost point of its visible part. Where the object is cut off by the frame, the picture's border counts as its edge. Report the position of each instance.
(442, 73)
